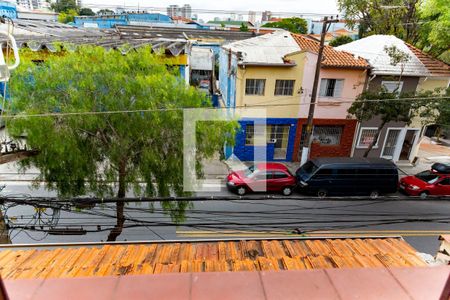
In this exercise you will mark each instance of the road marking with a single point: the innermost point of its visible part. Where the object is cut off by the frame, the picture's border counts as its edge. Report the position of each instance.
(352, 233)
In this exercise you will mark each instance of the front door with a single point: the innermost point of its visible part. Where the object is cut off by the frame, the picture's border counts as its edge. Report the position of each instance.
(279, 136)
(408, 143)
(390, 144)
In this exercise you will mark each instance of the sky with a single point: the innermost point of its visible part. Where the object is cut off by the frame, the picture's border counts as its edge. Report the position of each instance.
(291, 6)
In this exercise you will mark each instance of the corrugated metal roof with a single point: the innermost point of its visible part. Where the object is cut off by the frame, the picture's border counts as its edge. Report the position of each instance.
(270, 48)
(208, 256)
(372, 49)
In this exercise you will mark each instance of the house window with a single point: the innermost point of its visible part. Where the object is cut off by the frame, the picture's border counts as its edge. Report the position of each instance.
(284, 87)
(392, 86)
(366, 137)
(327, 135)
(331, 87)
(251, 131)
(255, 86)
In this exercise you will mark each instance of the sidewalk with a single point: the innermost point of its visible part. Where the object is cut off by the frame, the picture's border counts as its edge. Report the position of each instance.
(429, 153)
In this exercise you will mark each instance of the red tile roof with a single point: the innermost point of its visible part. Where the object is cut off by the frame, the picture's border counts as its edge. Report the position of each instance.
(434, 66)
(207, 256)
(332, 58)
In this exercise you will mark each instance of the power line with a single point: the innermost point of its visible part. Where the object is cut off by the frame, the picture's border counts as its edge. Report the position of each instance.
(211, 108)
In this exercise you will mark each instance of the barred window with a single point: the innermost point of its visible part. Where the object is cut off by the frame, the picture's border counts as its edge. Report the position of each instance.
(249, 135)
(255, 86)
(284, 87)
(331, 87)
(366, 137)
(327, 135)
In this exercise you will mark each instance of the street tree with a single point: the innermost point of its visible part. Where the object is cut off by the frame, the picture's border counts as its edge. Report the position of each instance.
(294, 25)
(86, 12)
(387, 106)
(340, 40)
(115, 124)
(384, 104)
(397, 17)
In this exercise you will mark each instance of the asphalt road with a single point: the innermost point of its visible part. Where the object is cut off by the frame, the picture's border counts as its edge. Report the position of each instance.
(420, 222)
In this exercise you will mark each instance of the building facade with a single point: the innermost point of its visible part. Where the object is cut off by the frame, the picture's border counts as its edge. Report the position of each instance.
(275, 71)
(397, 141)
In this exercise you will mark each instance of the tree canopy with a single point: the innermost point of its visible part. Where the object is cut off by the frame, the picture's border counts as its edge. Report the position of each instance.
(243, 28)
(105, 12)
(86, 12)
(64, 6)
(340, 40)
(67, 16)
(294, 25)
(84, 153)
(434, 30)
(396, 17)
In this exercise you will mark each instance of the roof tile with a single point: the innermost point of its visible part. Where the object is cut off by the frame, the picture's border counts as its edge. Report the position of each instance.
(434, 66)
(244, 255)
(331, 57)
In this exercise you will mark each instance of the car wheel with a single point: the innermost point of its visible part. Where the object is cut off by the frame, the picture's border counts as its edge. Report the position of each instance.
(374, 195)
(287, 190)
(241, 190)
(423, 195)
(322, 193)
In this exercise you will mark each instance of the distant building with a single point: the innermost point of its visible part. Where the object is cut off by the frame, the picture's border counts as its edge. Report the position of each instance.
(33, 4)
(186, 11)
(252, 17)
(176, 11)
(266, 15)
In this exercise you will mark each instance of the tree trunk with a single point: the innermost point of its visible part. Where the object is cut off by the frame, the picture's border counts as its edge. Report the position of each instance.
(375, 139)
(117, 230)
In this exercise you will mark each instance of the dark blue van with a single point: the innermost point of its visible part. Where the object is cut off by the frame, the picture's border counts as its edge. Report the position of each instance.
(348, 176)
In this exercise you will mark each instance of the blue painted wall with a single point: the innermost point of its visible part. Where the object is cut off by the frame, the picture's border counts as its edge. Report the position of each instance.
(109, 21)
(246, 153)
(227, 78)
(8, 9)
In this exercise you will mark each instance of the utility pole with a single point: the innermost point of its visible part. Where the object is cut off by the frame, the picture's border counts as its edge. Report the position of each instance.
(312, 104)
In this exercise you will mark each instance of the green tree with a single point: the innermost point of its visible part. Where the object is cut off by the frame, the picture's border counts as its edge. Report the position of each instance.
(64, 6)
(435, 28)
(109, 153)
(86, 12)
(396, 17)
(294, 25)
(67, 17)
(105, 12)
(243, 28)
(340, 40)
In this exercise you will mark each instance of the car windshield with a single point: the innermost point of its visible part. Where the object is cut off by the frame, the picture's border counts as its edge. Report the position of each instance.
(250, 171)
(307, 170)
(428, 176)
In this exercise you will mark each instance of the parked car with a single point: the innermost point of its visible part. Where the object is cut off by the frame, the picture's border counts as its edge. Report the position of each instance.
(271, 177)
(347, 176)
(432, 182)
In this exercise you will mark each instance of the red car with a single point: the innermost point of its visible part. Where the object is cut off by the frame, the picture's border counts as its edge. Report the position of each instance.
(435, 182)
(263, 177)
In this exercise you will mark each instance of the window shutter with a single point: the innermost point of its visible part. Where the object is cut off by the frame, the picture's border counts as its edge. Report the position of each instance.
(338, 88)
(323, 87)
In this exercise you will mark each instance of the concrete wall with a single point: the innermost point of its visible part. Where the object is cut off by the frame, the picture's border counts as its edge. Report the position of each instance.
(330, 107)
(433, 83)
(277, 106)
(317, 150)
(409, 83)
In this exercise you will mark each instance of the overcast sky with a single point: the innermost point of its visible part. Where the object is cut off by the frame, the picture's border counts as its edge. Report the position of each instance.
(291, 6)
